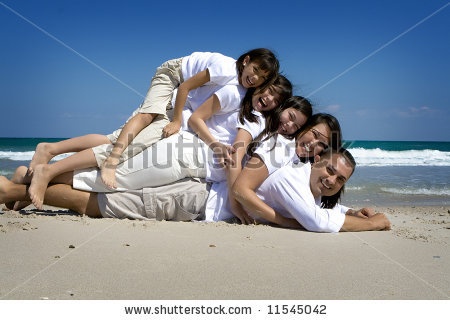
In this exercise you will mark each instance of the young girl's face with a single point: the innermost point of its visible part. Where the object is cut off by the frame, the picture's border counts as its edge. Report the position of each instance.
(266, 100)
(252, 76)
(291, 120)
(313, 141)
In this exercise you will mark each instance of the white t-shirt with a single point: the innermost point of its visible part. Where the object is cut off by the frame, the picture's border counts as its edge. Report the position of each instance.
(222, 124)
(276, 152)
(217, 205)
(253, 128)
(288, 192)
(222, 71)
(224, 127)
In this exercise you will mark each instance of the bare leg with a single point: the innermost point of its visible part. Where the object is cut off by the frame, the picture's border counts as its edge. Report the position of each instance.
(62, 195)
(46, 151)
(11, 192)
(20, 176)
(58, 195)
(129, 131)
(44, 173)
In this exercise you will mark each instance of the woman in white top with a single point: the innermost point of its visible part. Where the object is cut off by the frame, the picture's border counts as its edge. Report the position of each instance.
(280, 128)
(321, 131)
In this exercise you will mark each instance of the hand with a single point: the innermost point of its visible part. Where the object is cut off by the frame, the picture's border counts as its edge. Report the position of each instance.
(222, 153)
(240, 213)
(172, 128)
(290, 223)
(362, 213)
(380, 222)
(367, 212)
(245, 218)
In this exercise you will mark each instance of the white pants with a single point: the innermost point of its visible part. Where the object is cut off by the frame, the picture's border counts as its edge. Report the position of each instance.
(180, 156)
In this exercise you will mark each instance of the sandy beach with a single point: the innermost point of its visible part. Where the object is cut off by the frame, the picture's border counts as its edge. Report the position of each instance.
(54, 254)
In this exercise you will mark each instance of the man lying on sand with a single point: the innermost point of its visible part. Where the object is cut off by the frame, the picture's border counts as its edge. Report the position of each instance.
(296, 206)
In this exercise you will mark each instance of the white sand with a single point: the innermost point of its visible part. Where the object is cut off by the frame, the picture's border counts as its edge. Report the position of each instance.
(55, 255)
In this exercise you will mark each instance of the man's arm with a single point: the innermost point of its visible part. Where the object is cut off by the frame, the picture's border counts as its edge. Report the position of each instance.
(376, 222)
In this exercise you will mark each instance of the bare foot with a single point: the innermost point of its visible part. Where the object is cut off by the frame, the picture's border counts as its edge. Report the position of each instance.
(42, 155)
(108, 174)
(39, 183)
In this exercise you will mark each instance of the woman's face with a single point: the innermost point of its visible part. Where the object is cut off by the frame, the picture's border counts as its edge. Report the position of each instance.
(313, 141)
(291, 120)
(266, 100)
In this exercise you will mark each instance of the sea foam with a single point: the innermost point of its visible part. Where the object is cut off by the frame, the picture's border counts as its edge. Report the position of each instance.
(25, 155)
(379, 158)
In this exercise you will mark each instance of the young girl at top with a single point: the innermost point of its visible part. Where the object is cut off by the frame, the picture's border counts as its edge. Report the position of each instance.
(200, 75)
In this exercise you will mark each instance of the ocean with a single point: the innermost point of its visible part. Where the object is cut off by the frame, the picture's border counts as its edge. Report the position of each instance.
(387, 173)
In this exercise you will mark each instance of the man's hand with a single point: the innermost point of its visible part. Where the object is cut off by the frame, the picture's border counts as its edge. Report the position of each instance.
(380, 222)
(362, 213)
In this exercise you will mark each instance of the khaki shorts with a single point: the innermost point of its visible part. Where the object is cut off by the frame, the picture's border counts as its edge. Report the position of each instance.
(157, 101)
(167, 78)
(147, 137)
(184, 200)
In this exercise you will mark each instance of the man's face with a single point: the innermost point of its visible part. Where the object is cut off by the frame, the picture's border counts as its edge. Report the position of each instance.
(329, 175)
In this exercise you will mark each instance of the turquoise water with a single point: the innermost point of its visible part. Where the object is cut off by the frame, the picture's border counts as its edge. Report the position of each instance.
(16, 152)
(387, 173)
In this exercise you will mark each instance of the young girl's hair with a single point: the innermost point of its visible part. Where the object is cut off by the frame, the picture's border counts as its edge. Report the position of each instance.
(296, 102)
(328, 202)
(280, 85)
(273, 121)
(265, 59)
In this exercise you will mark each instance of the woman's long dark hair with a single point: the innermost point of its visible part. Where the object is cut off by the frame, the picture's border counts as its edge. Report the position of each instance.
(298, 103)
(273, 121)
(330, 121)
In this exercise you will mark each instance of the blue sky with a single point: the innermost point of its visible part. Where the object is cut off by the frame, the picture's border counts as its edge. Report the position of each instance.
(70, 68)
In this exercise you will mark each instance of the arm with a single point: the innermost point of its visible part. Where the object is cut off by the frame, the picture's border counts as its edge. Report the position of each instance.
(197, 122)
(241, 142)
(183, 90)
(362, 213)
(244, 191)
(376, 222)
(129, 131)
